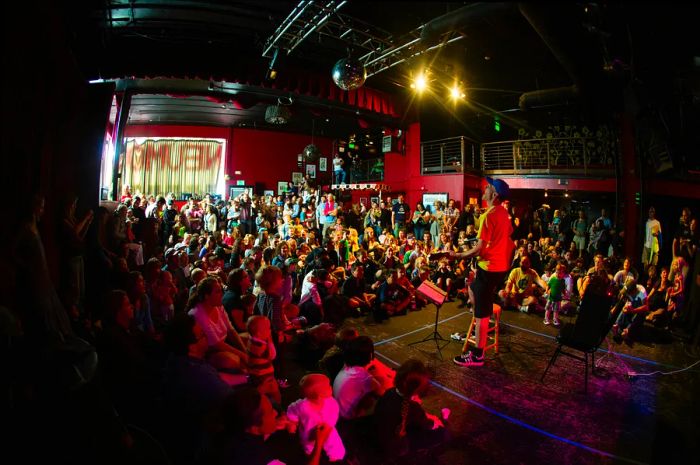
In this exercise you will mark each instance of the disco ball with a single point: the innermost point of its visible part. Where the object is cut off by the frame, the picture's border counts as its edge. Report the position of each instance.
(311, 152)
(349, 74)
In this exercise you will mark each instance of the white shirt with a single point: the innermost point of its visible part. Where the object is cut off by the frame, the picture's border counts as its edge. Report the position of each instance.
(649, 238)
(309, 290)
(350, 386)
(309, 416)
(216, 327)
(337, 164)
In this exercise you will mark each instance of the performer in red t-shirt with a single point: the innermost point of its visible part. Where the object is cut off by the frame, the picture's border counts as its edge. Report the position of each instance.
(494, 251)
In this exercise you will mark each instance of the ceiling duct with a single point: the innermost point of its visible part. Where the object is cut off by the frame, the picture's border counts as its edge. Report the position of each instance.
(280, 113)
(547, 97)
(461, 19)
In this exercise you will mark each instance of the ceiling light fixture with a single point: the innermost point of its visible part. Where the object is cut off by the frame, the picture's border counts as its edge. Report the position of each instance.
(280, 113)
(456, 92)
(420, 83)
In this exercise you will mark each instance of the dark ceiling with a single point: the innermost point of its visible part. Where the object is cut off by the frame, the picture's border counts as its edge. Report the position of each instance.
(499, 58)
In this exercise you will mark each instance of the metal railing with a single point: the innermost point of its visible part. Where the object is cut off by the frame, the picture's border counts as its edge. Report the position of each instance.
(564, 155)
(365, 170)
(451, 155)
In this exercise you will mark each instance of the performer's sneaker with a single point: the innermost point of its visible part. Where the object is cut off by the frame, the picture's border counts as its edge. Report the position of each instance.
(469, 360)
(556, 322)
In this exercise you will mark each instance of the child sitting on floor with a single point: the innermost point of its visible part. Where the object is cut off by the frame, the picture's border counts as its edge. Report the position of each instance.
(164, 292)
(444, 276)
(401, 424)
(318, 406)
(392, 299)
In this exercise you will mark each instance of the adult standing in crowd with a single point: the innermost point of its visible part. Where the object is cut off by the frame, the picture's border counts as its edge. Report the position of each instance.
(580, 228)
(247, 218)
(652, 240)
(494, 251)
(400, 214)
(330, 213)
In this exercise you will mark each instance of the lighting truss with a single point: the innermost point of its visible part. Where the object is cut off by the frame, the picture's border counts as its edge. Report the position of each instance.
(381, 50)
(307, 17)
(406, 47)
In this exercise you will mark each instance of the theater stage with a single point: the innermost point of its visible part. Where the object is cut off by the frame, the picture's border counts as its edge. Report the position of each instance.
(502, 413)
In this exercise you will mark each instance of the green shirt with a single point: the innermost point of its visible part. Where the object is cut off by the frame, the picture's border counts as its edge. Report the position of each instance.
(555, 288)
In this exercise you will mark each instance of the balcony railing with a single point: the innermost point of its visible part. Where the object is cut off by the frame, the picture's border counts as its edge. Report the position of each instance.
(365, 170)
(567, 155)
(451, 155)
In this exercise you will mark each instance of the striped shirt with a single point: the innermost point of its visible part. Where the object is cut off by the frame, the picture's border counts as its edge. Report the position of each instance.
(260, 357)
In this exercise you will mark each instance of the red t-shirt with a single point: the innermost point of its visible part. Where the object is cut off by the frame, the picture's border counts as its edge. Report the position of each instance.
(495, 231)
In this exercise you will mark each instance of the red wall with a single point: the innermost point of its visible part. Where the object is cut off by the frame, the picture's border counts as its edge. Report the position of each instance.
(268, 157)
(402, 174)
(264, 157)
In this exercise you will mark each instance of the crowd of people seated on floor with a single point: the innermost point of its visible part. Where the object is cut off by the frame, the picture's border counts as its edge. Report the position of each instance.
(198, 311)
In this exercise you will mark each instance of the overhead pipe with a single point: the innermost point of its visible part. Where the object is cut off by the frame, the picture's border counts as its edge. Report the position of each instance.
(555, 96)
(554, 24)
(550, 22)
(551, 26)
(460, 19)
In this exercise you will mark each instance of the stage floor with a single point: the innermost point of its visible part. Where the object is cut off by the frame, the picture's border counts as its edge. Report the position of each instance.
(502, 413)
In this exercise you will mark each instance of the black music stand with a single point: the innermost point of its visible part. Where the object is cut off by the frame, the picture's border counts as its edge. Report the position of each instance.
(438, 297)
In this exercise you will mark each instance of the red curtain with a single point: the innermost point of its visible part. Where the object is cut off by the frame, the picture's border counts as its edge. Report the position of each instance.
(159, 166)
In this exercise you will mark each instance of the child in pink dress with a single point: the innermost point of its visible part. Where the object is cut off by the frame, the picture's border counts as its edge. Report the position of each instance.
(317, 407)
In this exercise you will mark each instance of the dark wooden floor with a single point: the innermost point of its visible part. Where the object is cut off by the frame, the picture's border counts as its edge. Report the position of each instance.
(502, 413)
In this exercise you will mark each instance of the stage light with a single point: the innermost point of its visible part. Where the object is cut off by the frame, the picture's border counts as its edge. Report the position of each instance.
(456, 92)
(546, 194)
(420, 83)
(566, 194)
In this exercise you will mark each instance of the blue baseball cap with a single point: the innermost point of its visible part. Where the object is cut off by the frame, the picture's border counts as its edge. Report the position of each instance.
(500, 186)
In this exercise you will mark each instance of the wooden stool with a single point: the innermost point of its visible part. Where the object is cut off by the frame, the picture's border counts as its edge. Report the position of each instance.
(492, 329)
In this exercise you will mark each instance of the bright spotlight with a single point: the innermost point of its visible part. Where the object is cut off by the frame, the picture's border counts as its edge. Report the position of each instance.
(456, 92)
(419, 83)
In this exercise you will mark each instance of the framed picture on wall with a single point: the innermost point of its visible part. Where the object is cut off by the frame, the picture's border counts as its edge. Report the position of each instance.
(311, 171)
(373, 200)
(268, 192)
(297, 177)
(363, 201)
(281, 187)
(322, 164)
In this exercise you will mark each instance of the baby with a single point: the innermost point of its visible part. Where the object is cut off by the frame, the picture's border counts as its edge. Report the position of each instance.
(317, 407)
(261, 352)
